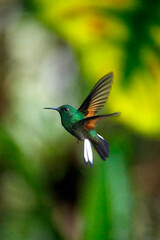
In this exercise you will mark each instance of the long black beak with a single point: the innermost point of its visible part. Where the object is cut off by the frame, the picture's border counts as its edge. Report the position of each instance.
(57, 109)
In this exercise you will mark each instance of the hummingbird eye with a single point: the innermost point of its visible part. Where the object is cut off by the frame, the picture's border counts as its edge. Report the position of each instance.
(66, 109)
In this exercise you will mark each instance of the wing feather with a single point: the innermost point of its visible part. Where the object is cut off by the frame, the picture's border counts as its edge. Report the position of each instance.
(98, 96)
(90, 122)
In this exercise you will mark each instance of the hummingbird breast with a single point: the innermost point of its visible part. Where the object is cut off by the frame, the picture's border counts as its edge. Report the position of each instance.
(70, 127)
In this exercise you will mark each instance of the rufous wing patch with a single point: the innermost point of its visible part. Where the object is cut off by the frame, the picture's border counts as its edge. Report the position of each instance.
(90, 113)
(89, 125)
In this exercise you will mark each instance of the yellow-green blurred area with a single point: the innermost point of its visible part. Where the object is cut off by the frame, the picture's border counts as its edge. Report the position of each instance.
(52, 53)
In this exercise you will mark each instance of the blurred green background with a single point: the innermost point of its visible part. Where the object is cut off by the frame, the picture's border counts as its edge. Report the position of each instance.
(52, 53)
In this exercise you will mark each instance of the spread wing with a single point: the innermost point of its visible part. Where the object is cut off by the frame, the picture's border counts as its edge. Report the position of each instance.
(89, 123)
(98, 96)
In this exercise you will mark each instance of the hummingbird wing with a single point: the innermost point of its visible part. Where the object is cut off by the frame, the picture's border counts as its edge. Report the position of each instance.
(89, 123)
(98, 96)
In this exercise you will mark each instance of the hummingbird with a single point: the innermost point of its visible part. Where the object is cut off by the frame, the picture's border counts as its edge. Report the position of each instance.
(81, 123)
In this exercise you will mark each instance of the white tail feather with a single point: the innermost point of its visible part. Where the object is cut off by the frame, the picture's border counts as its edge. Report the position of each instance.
(85, 152)
(88, 155)
(100, 136)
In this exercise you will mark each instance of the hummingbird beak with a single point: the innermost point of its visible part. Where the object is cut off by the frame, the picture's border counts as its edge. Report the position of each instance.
(57, 109)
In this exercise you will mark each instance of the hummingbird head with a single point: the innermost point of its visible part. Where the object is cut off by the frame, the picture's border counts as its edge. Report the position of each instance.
(65, 111)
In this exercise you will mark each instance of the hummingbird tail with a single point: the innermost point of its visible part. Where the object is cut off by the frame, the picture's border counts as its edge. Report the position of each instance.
(101, 146)
(88, 155)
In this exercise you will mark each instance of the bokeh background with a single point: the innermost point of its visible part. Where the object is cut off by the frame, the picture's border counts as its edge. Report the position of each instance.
(52, 53)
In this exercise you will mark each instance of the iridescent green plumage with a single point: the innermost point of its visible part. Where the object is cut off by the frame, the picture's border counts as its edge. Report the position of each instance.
(81, 123)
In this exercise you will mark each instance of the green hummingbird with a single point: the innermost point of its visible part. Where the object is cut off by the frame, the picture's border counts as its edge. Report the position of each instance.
(81, 123)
